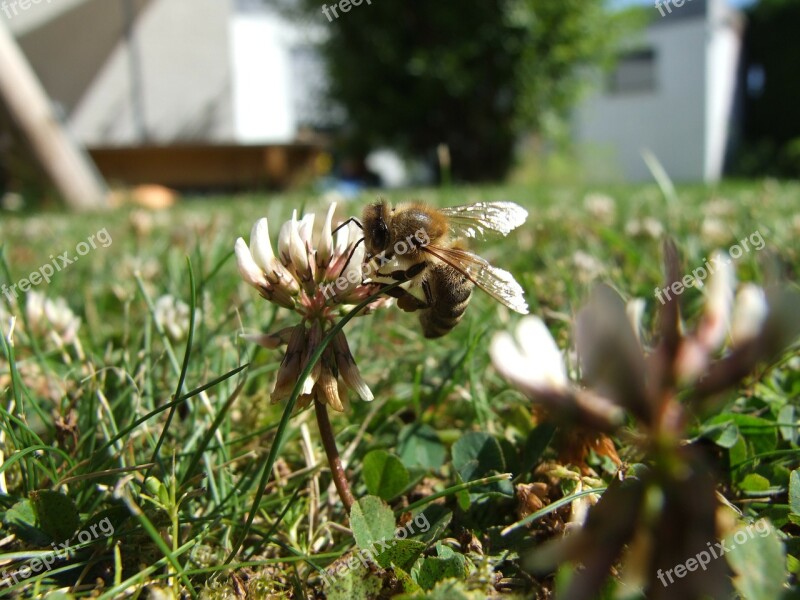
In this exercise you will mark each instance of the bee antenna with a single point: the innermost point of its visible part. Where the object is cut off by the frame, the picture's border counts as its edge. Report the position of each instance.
(350, 256)
(350, 220)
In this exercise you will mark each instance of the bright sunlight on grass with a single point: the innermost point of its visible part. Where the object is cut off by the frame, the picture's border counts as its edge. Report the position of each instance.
(136, 420)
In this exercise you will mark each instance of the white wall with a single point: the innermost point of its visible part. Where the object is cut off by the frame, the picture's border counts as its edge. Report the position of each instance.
(260, 61)
(185, 80)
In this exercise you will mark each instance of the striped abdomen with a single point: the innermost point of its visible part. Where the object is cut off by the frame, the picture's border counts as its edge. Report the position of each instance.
(450, 292)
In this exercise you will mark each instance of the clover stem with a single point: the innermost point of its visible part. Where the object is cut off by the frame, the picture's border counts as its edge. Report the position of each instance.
(329, 443)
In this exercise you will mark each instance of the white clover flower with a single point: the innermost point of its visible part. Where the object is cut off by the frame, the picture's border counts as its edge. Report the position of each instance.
(600, 206)
(714, 231)
(532, 362)
(172, 314)
(646, 227)
(48, 317)
(742, 317)
(719, 302)
(719, 207)
(321, 282)
(634, 309)
(531, 358)
(588, 267)
(750, 312)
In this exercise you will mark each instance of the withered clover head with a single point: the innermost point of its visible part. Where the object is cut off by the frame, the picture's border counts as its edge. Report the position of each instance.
(666, 512)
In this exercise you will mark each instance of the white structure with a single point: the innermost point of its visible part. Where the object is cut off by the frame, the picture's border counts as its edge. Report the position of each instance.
(139, 72)
(673, 94)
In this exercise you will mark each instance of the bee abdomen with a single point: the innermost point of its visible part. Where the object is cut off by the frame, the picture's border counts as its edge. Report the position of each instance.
(450, 292)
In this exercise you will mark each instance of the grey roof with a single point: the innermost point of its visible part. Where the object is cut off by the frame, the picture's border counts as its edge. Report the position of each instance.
(691, 9)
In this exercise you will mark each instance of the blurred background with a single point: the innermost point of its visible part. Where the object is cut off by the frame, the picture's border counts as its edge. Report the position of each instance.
(172, 96)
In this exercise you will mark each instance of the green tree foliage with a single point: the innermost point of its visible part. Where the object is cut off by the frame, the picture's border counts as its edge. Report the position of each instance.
(472, 74)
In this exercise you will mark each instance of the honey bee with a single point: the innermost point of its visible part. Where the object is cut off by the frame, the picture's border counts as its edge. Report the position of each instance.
(424, 246)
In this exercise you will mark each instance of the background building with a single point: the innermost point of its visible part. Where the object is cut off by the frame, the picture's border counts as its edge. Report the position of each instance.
(673, 92)
(207, 92)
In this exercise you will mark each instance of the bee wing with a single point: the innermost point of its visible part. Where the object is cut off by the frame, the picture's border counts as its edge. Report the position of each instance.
(474, 220)
(499, 284)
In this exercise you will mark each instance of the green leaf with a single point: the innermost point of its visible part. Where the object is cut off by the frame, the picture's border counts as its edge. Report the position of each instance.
(352, 581)
(452, 589)
(463, 499)
(535, 445)
(476, 455)
(402, 553)
(788, 432)
(21, 518)
(447, 564)
(59, 595)
(754, 483)
(760, 434)
(419, 446)
(409, 585)
(738, 452)
(384, 474)
(724, 434)
(431, 523)
(758, 559)
(792, 565)
(794, 492)
(56, 514)
(372, 521)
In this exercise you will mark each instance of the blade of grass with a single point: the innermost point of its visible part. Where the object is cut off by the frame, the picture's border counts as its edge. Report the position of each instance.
(172, 557)
(550, 508)
(453, 490)
(203, 445)
(184, 368)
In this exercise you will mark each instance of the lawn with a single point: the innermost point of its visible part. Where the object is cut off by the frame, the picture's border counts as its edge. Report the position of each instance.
(132, 446)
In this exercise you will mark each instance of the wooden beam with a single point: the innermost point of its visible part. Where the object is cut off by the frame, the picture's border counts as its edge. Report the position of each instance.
(68, 166)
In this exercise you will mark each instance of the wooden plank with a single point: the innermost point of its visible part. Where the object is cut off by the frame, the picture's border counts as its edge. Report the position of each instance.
(207, 166)
(68, 167)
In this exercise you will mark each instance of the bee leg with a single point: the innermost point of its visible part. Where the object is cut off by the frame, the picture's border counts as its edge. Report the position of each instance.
(406, 301)
(345, 223)
(350, 257)
(426, 288)
(410, 273)
(409, 303)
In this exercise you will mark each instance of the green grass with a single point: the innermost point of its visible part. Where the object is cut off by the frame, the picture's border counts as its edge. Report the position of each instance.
(92, 419)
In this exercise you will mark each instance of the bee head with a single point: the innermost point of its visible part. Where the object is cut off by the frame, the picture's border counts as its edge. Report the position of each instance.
(376, 228)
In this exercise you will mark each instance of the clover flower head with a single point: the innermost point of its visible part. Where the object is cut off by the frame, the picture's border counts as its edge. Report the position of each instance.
(51, 317)
(320, 279)
(173, 316)
(657, 387)
(532, 361)
(600, 206)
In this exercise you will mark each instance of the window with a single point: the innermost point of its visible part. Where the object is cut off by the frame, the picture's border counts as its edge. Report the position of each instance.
(635, 72)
